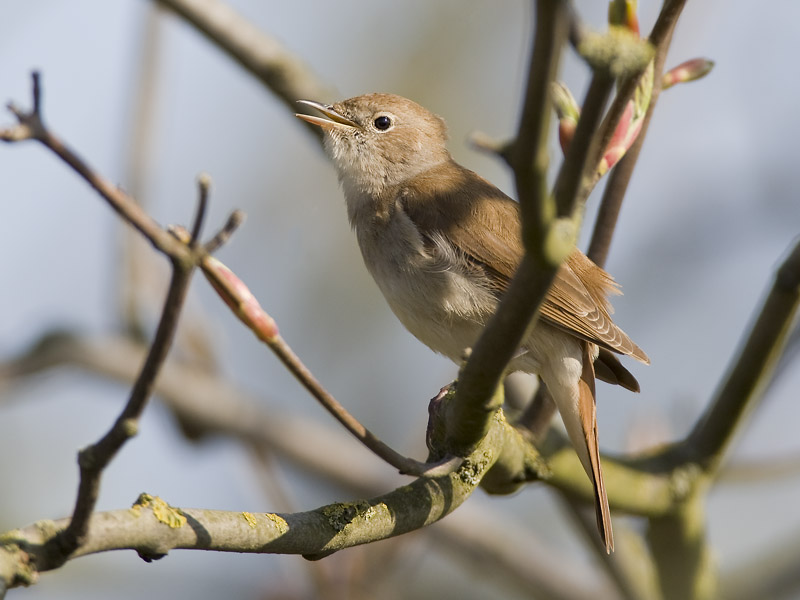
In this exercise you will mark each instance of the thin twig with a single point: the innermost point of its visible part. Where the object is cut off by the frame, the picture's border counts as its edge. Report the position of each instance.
(239, 298)
(203, 186)
(31, 126)
(405, 465)
(234, 221)
(94, 459)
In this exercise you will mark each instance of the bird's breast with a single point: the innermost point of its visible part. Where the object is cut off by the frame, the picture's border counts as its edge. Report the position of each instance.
(426, 284)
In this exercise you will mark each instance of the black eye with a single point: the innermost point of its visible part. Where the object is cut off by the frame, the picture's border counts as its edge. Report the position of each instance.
(382, 123)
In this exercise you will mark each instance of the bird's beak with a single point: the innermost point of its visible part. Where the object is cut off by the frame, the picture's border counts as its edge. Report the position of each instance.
(333, 120)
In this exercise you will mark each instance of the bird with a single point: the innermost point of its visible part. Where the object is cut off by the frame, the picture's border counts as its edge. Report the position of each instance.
(442, 244)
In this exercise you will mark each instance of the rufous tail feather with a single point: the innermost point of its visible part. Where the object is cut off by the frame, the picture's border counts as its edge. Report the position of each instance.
(588, 415)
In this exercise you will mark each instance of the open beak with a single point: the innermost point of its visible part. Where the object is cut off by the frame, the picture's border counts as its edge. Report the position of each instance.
(334, 119)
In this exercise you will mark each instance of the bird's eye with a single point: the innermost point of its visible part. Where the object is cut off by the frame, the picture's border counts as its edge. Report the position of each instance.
(382, 123)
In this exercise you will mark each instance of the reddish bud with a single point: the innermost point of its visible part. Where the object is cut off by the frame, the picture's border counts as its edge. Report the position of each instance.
(239, 298)
(687, 71)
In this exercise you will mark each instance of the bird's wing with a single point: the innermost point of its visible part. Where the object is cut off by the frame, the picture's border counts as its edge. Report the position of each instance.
(483, 225)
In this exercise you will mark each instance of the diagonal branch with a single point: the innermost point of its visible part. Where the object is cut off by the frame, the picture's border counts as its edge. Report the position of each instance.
(245, 306)
(31, 127)
(281, 71)
(750, 371)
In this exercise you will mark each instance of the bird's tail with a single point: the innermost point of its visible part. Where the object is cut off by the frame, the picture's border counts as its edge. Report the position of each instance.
(576, 404)
(588, 416)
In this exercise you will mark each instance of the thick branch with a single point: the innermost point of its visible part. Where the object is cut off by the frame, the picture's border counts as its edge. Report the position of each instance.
(678, 542)
(208, 405)
(472, 407)
(153, 528)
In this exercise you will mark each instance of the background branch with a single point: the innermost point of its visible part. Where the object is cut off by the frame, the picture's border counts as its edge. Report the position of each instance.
(280, 70)
(750, 371)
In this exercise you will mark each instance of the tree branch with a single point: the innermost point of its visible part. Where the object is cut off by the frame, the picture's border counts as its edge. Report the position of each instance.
(750, 371)
(152, 527)
(617, 185)
(472, 406)
(281, 71)
(678, 542)
(246, 307)
(184, 258)
(94, 459)
(31, 127)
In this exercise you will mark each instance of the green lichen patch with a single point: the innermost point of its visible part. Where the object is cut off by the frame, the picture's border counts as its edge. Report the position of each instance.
(340, 515)
(472, 470)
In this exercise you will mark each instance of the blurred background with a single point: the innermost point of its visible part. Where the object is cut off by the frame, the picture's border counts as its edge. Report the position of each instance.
(150, 104)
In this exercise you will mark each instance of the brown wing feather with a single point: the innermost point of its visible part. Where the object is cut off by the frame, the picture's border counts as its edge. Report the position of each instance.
(578, 303)
(578, 299)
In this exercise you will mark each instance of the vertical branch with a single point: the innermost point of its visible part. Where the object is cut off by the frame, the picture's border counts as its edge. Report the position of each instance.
(528, 155)
(95, 458)
(680, 550)
(475, 400)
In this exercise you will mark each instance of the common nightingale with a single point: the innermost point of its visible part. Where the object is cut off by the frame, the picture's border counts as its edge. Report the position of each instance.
(442, 243)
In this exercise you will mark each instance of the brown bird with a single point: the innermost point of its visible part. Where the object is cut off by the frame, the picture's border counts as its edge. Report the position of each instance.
(442, 244)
